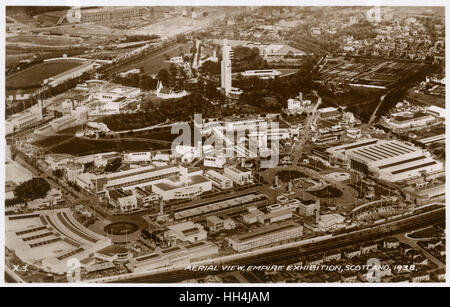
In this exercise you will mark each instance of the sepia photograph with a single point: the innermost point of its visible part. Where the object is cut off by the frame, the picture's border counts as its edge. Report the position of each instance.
(224, 144)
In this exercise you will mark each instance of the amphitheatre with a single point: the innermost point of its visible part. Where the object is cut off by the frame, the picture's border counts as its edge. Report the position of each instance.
(50, 238)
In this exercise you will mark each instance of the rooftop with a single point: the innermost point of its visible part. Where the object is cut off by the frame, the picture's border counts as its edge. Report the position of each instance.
(264, 231)
(175, 182)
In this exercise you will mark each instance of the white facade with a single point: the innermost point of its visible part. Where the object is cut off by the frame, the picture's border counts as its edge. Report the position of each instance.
(392, 160)
(227, 55)
(264, 236)
(185, 232)
(219, 180)
(328, 112)
(238, 175)
(144, 156)
(330, 221)
(400, 121)
(73, 171)
(214, 161)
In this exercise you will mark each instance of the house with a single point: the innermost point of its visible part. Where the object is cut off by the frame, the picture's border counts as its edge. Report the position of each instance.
(391, 243)
(419, 277)
(368, 247)
(332, 255)
(352, 253)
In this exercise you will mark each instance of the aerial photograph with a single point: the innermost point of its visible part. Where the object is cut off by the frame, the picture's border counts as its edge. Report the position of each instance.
(224, 145)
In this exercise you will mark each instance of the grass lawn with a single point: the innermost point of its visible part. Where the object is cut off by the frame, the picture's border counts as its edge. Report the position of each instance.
(34, 75)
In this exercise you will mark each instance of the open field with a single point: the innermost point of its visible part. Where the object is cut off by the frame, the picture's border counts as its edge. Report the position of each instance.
(33, 76)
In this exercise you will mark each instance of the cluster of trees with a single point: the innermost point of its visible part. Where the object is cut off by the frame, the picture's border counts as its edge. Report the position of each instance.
(362, 30)
(32, 189)
(210, 68)
(245, 58)
(36, 10)
(182, 109)
(142, 81)
(272, 94)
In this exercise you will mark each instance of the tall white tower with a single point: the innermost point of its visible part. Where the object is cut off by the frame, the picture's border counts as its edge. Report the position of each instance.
(227, 55)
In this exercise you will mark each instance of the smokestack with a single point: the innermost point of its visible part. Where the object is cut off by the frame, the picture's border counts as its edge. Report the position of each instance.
(290, 187)
(275, 181)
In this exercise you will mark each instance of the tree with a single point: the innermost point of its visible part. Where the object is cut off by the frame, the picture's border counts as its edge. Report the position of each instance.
(32, 189)
(210, 68)
(58, 173)
(163, 76)
(173, 73)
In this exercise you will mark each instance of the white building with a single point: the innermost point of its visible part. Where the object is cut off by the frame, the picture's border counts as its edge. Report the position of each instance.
(239, 175)
(328, 112)
(84, 181)
(276, 216)
(214, 161)
(265, 235)
(354, 133)
(124, 200)
(225, 78)
(102, 159)
(392, 160)
(436, 111)
(182, 187)
(219, 180)
(185, 232)
(252, 216)
(406, 120)
(73, 170)
(186, 185)
(164, 92)
(330, 222)
(309, 207)
(144, 156)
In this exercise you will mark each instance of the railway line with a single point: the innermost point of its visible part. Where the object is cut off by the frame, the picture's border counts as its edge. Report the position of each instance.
(292, 255)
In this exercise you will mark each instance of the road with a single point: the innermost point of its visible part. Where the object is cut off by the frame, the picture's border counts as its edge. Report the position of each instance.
(374, 114)
(298, 147)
